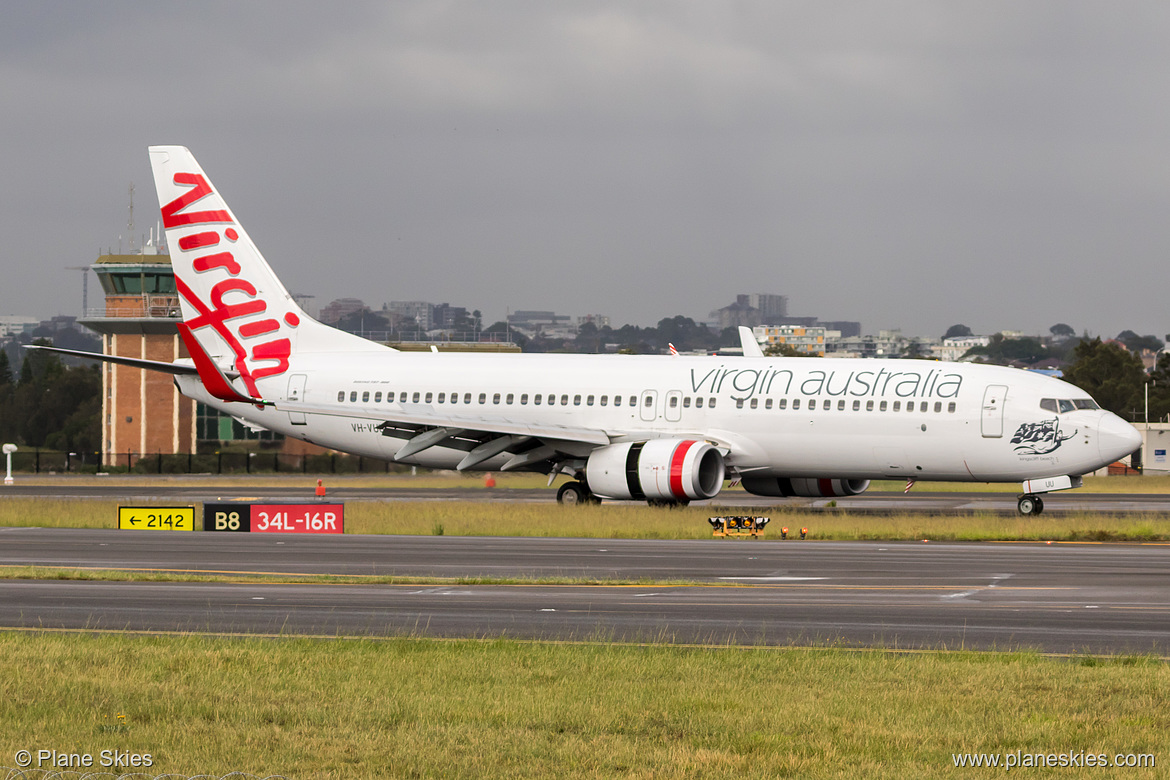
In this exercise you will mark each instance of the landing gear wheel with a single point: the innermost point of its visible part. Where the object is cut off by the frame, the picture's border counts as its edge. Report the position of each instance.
(574, 493)
(1030, 505)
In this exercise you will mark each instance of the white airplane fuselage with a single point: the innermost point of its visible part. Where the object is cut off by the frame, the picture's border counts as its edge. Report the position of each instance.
(782, 417)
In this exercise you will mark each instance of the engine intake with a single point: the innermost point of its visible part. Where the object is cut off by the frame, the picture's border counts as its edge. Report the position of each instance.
(783, 487)
(659, 469)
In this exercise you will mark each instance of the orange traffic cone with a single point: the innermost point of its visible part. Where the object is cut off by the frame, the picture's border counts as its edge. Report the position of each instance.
(320, 489)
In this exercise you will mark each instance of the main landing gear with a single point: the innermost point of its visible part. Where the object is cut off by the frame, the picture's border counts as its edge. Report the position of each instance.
(1030, 505)
(574, 493)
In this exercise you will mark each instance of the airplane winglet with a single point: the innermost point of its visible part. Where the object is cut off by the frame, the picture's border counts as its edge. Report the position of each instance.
(210, 375)
(747, 339)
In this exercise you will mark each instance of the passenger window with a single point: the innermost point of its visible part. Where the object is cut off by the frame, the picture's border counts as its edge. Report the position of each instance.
(951, 407)
(414, 398)
(687, 402)
(633, 400)
(755, 403)
(617, 400)
(882, 406)
(454, 398)
(536, 400)
(340, 396)
(649, 401)
(402, 398)
(909, 406)
(565, 400)
(795, 403)
(1048, 405)
(589, 401)
(366, 397)
(389, 396)
(674, 402)
(524, 399)
(496, 398)
(467, 398)
(711, 403)
(508, 398)
(938, 406)
(827, 405)
(378, 397)
(483, 398)
(353, 397)
(428, 397)
(869, 406)
(576, 400)
(783, 403)
(897, 406)
(604, 400)
(841, 405)
(552, 400)
(768, 403)
(738, 403)
(442, 398)
(857, 406)
(1066, 406)
(698, 403)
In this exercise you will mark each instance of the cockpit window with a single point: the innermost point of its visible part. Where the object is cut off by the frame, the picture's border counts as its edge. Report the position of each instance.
(1063, 405)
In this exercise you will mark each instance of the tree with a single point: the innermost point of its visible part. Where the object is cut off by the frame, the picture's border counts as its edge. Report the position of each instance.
(785, 350)
(5, 370)
(1060, 331)
(957, 331)
(1004, 351)
(1135, 343)
(1114, 377)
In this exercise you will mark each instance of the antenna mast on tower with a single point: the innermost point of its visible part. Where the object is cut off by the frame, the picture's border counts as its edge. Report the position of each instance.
(130, 222)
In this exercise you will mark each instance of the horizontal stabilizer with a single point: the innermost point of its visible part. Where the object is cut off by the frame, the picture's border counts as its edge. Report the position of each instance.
(149, 365)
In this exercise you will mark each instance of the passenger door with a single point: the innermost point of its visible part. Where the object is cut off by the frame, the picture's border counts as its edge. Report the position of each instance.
(993, 399)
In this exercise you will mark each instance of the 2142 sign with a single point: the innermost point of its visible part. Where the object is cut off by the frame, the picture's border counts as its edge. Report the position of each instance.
(156, 518)
(275, 518)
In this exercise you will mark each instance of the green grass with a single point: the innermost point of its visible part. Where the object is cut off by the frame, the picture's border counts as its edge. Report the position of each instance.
(627, 521)
(345, 708)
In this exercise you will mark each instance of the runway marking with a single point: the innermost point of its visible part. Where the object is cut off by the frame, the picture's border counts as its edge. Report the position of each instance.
(774, 579)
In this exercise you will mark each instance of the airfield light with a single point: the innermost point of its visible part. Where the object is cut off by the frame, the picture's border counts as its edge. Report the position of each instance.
(803, 532)
(8, 450)
(784, 532)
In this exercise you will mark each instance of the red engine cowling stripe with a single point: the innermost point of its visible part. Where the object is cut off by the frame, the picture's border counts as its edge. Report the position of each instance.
(676, 468)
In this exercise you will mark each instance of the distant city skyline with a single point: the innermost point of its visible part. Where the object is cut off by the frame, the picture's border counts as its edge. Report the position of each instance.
(908, 165)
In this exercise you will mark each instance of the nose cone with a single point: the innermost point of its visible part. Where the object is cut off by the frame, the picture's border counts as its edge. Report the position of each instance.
(1116, 438)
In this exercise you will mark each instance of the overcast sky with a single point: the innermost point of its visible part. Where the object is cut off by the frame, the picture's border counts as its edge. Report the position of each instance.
(907, 164)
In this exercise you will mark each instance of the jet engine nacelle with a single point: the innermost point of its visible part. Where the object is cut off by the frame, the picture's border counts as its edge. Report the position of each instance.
(655, 470)
(783, 487)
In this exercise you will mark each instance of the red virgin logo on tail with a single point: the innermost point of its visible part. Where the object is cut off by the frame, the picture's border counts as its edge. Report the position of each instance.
(219, 314)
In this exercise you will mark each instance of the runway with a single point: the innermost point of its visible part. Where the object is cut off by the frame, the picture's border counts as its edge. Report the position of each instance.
(1062, 598)
(921, 499)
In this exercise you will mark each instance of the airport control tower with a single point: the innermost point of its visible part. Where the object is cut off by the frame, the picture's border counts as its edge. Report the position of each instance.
(142, 411)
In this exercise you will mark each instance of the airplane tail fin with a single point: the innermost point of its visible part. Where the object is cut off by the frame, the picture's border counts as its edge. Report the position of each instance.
(232, 303)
